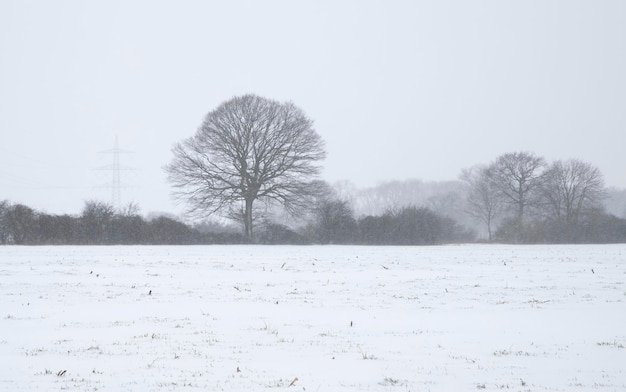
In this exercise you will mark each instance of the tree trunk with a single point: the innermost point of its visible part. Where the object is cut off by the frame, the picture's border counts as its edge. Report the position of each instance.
(247, 220)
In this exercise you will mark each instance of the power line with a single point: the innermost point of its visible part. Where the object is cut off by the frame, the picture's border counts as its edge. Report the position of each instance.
(10, 157)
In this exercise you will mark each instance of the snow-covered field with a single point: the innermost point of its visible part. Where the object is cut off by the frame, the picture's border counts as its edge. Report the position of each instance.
(249, 318)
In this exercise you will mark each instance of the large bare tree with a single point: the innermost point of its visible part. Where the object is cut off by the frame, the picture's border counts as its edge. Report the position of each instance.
(249, 148)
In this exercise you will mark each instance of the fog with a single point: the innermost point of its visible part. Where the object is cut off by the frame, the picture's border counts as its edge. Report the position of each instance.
(398, 90)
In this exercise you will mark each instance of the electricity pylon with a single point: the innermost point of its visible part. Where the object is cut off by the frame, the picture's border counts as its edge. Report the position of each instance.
(116, 168)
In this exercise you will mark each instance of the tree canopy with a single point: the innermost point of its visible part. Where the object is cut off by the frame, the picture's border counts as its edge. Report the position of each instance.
(248, 148)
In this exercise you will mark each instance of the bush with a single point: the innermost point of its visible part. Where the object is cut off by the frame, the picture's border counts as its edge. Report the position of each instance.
(274, 234)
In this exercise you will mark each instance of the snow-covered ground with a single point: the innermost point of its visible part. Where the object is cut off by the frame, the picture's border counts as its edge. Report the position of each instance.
(249, 318)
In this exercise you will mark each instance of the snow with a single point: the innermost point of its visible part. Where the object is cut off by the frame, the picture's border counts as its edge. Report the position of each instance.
(244, 318)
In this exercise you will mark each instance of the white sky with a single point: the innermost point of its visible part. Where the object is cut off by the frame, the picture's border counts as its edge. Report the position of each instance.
(397, 89)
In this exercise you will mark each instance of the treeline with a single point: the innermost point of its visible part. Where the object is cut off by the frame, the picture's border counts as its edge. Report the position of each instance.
(331, 222)
(517, 198)
(335, 223)
(522, 198)
(99, 224)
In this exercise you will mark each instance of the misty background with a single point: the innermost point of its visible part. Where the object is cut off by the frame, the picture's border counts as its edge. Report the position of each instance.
(405, 90)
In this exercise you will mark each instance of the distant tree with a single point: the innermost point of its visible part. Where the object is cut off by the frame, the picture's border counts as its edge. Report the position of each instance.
(334, 222)
(518, 178)
(376, 230)
(599, 227)
(96, 219)
(167, 231)
(247, 149)
(483, 200)
(56, 229)
(571, 189)
(275, 233)
(127, 225)
(415, 226)
(411, 226)
(21, 224)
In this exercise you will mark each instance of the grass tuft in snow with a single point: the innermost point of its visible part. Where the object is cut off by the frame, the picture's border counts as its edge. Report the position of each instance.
(614, 343)
(365, 355)
(388, 381)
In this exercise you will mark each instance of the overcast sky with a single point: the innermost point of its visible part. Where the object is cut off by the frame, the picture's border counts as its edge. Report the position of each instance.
(397, 89)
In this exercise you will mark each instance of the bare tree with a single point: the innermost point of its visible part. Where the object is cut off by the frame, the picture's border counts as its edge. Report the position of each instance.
(248, 148)
(572, 188)
(517, 177)
(483, 200)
